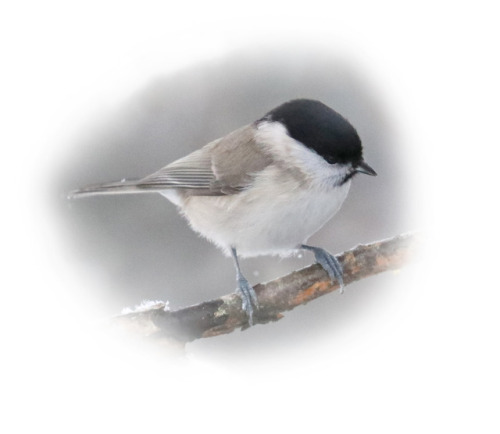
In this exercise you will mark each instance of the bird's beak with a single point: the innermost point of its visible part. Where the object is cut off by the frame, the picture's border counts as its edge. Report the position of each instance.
(363, 167)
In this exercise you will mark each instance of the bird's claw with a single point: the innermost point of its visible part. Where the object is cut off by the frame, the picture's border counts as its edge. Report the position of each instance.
(330, 263)
(248, 298)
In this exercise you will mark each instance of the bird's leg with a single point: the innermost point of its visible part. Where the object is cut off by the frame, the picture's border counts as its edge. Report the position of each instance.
(328, 262)
(248, 296)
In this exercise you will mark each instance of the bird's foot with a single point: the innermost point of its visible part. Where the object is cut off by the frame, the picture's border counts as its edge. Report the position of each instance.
(248, 298)
(330, 263)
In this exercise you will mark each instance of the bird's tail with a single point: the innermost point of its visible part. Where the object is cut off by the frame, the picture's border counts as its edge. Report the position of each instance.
(117, 187)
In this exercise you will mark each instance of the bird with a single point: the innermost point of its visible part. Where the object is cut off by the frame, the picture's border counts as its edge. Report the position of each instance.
(264, 188)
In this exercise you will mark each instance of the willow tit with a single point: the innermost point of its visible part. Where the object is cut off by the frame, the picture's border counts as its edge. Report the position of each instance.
(265, 188)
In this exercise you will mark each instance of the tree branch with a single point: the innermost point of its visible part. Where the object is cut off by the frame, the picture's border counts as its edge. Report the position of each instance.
(223, 315)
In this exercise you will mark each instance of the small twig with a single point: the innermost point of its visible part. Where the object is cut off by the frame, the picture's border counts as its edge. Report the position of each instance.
(224, 315)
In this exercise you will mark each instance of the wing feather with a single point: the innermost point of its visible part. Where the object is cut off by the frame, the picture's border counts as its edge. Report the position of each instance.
(225, 166)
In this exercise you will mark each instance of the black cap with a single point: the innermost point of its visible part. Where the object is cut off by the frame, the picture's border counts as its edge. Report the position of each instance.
(321, 129)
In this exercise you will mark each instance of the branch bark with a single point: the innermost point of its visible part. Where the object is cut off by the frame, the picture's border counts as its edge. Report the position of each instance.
(224, 315)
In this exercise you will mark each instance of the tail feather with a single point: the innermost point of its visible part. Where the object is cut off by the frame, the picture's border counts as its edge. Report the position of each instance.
(118, 187)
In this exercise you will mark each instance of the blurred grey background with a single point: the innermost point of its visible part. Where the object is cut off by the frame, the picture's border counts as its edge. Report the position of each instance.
(145, 250)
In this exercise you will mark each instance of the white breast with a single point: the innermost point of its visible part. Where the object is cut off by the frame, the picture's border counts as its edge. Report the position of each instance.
(271, 218)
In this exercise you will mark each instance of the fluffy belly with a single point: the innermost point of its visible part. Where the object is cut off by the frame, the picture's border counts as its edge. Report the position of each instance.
(276, 222)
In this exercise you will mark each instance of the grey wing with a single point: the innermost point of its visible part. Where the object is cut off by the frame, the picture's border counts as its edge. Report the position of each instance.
(225, 166)
(192, 172)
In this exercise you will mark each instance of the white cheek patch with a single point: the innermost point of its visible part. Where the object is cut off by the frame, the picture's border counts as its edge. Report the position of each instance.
(287, 149)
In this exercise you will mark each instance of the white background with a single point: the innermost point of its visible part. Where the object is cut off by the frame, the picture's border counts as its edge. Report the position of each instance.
(425, 361)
